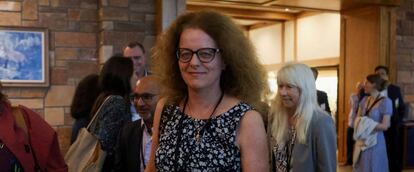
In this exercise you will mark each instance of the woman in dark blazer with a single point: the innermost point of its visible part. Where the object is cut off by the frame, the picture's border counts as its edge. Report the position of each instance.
(302, 135)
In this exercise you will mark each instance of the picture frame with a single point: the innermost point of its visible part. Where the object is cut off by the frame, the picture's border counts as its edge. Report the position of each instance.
(24, 58)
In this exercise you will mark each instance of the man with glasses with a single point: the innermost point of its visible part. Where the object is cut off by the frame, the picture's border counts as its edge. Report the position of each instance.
(134, 141)
(136, 52)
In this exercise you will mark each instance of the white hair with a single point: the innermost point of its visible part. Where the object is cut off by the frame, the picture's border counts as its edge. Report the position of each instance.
(301, 76)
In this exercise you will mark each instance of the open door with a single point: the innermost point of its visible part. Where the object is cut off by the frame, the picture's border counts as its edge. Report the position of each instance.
(366, 41)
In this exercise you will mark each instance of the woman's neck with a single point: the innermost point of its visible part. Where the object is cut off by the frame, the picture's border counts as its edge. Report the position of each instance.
(291, 111)
(292, 121)
(374, 94)
(203, 100)
(203, 97)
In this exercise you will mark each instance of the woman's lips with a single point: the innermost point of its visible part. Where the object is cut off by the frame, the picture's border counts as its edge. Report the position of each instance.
(196, 73)
(286, 99)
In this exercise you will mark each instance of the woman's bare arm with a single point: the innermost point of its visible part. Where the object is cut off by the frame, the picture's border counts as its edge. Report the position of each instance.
(252, 141)
(155, 136)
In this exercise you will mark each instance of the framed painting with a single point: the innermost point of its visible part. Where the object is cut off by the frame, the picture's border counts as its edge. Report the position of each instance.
(24, 57)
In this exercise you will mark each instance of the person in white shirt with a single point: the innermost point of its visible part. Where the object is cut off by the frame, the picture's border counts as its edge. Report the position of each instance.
(354, 101)
(135, 139)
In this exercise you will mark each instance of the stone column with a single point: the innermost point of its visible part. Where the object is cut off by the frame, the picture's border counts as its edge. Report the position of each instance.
(405, 50)
(170, 9)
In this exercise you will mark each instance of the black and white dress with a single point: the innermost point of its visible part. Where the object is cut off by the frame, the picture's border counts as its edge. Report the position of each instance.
(216, 150)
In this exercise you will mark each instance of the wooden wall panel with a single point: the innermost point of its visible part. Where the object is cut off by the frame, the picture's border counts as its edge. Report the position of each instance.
(365, 43)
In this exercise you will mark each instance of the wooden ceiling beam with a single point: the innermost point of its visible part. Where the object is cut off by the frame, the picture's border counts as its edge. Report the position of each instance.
(238, 5)
(251, 14)
(271, 5)
(349, 4)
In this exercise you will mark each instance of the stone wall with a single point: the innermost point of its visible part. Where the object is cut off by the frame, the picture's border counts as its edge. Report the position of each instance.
(82, 35)
(405, 50)
(124, 20)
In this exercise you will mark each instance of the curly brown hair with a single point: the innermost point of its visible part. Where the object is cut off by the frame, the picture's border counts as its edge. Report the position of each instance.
(244, 77)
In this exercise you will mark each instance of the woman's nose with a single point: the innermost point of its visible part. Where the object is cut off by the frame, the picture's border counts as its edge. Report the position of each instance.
(194, 60)
(282, 90)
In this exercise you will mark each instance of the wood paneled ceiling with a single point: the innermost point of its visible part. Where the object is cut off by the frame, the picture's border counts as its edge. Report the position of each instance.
(278, 10)
(320, 5)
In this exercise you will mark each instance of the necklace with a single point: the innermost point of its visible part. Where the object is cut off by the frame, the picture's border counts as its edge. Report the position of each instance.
(199, 130)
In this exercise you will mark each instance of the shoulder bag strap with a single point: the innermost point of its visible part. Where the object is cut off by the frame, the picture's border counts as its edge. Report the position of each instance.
(97, 112)
(373, 104)
(19, 119)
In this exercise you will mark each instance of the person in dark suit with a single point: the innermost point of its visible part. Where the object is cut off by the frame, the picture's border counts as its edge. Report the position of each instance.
(134, 141)
(392, 136)
(321, 95)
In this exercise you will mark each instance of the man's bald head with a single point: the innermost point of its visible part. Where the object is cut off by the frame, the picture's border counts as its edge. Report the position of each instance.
(149, 82)
(146, 94)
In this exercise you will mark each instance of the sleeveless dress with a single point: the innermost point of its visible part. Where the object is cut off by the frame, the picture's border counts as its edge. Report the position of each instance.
(216, 150)
(375, 159)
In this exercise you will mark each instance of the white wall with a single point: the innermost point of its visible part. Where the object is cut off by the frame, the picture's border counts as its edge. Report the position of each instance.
(268, 43)
(318, 36)
(289, 41)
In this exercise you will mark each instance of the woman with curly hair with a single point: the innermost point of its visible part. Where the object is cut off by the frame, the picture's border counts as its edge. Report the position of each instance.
(209, 118)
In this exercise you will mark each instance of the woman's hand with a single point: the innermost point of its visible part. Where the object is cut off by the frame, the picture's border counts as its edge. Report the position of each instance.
(384, 125)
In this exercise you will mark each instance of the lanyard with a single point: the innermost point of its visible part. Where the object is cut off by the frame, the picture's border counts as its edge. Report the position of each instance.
(377, 99)
(289, 148)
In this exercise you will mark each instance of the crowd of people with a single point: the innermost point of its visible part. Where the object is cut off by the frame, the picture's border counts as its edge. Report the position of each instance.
(203, 107)
(373, 138)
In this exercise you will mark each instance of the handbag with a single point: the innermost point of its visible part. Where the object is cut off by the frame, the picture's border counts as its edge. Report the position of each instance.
(85, 154)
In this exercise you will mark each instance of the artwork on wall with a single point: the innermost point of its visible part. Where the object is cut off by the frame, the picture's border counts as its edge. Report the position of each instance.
(24, 57)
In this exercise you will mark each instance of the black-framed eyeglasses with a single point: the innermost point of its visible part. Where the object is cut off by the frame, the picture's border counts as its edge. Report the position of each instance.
(146, 97)
(205, 55)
